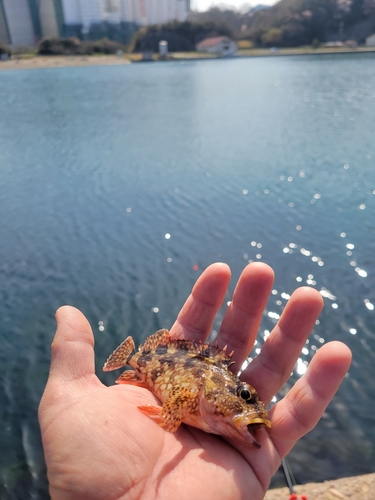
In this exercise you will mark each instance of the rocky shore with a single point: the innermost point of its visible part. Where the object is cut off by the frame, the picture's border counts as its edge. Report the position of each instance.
(347, 488)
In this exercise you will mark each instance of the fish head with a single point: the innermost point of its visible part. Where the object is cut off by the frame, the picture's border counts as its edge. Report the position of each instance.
(234, 410)
(253, 415)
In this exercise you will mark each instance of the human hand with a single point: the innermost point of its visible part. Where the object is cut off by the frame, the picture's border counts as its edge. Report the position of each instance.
(99, 446)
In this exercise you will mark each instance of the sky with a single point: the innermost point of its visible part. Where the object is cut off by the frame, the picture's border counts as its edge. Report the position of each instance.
(206, 4)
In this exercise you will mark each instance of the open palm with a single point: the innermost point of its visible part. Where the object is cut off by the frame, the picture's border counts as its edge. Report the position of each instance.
(99, 446)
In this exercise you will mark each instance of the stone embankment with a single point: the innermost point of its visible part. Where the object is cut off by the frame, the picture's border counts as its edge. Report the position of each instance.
(347, 488)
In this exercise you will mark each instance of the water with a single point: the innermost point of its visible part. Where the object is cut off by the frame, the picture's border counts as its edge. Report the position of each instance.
(116, 181)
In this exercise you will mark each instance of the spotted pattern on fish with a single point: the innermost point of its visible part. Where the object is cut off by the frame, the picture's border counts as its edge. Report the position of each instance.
(194, 384)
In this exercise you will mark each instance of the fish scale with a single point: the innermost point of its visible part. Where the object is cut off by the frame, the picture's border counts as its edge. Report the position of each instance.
(194, 385)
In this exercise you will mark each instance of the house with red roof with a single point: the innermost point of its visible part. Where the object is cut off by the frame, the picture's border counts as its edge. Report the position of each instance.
(218, 45)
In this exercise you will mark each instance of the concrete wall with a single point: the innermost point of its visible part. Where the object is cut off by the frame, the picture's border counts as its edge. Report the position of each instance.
(112, 11)
(92, 11)
(87, 12)
(72, 13)
(20, 25)
(84, 12)
(4, 37)
(127, 10)
(47, 16)
(182, 10)
(153, 11)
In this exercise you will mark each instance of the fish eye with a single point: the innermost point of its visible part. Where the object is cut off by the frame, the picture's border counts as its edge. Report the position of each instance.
(246, 395)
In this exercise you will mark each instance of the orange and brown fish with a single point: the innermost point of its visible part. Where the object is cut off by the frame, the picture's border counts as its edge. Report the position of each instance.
(194, 384)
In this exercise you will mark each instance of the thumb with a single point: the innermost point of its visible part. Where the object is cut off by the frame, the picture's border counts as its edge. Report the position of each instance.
(72, 354)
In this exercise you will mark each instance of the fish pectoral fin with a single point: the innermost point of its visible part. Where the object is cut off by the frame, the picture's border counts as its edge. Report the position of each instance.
(131, 377)
(171, 414)
(163, 417)
(180, 402)
(120, 356)
(152, 411)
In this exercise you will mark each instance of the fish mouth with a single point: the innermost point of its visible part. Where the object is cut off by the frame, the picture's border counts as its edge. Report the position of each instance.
(256, 424)
(248, 425)
(259, 422)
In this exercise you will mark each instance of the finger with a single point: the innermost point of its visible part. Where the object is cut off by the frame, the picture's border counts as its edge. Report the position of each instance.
(301, 409)
(275, 362)
(196, 317)
(243, 316)
(72, 348)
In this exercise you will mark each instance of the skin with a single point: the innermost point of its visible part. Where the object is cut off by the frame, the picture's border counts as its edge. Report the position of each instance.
(99, 446)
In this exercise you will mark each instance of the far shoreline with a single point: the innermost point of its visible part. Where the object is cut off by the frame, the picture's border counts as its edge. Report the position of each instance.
(38, 62)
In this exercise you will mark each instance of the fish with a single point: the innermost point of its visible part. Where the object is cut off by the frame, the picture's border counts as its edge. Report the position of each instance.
(194, 384)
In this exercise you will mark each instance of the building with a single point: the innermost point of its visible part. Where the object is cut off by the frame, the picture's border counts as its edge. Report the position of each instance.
(218, 45)
(141, 12)
(370, 41)
(51, 18)
(17, 21)
(83, 13)
(25, 22)
(4, 34)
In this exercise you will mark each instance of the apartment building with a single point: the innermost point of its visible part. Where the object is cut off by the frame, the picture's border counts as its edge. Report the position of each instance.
(25, 22)
(143, 12)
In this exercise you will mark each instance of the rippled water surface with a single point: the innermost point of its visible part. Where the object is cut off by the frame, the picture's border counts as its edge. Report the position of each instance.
(117, 183)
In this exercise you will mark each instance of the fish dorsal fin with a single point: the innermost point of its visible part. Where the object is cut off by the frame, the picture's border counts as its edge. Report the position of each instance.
(161, 337)
(215, 353)
(209, 351)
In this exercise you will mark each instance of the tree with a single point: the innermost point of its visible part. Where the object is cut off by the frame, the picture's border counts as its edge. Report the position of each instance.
(368, 7)
(180, 36)
(272, 37)
(5, 51)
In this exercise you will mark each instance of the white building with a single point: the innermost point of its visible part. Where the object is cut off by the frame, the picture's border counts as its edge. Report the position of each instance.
(19, 22)
(370, 41)
(25, 22)
(153, 11)
(218, 45)
(87, 12)
(48, 19)
(83, 12)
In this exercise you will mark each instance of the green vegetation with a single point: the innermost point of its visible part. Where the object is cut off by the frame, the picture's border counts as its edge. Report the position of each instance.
(181, 37)
(245, 44)
(294, 23)
(272, 37)
(5, 51)
(74, 46)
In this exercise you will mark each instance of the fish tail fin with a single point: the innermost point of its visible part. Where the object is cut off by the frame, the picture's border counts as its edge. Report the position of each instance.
(120, 356)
